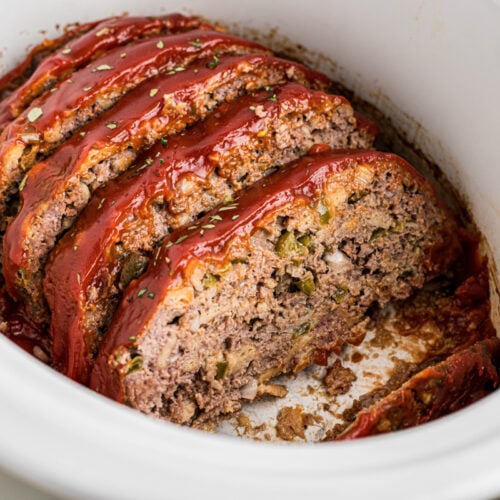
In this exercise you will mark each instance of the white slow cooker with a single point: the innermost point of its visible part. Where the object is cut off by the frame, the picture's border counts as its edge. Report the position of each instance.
(433, 66)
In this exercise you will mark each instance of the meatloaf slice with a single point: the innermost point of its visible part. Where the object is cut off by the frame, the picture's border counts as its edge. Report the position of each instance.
(20, 73)
(95, 88)
(448, 386)
(171, 185)
(57, 189)
(259, 284)
(75, 54)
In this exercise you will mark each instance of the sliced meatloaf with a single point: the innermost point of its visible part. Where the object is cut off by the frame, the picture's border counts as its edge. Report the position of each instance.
(57, 189)
(20, 73)
(171, 185)
(258, 285)
(77, 51)
(95, 88)
(456, 382)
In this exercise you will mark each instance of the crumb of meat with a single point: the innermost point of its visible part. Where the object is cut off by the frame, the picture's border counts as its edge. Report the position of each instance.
(383, 338)
(3, 326)
(274, 390)
(290, 423)
(338, 379)
(245, 422)
(356, 357)
(358, 332)
(311, 419)
(245, 427)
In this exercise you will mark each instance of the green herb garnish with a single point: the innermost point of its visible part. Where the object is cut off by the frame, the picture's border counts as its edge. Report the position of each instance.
(214, 63)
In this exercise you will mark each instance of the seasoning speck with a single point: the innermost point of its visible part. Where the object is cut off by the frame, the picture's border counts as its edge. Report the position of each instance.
(102, 67)
(23, 182)
(214, 63)
(151, 295)
(180, 239)
(79, 278)
(142, 292)
(111, 125)
(67, 50)
(153, 92)
(196, 43)
(102, 32)
(160, 44)
(34, 114)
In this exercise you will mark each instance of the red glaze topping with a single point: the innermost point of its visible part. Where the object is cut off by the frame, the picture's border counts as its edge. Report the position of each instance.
(364, 123)
(456, 382)
(302, 179)
(131, 119)
(116, 71)
(102, 225)
(107, 34)
(46, 45)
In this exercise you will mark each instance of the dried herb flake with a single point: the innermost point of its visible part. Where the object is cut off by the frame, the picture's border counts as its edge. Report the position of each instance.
(34, 114)
(102, 67)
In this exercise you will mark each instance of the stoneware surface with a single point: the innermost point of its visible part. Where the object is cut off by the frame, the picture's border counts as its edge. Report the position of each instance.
(431, 65)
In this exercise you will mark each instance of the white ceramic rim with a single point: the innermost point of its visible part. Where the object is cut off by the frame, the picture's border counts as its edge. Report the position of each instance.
(71, 441)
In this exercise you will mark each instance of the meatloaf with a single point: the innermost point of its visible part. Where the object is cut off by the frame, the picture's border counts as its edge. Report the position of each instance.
(77, 48)
(454, 383)
(57, 114)
(171, 184)
(57, 189)
(18, 75)
(255, 287)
